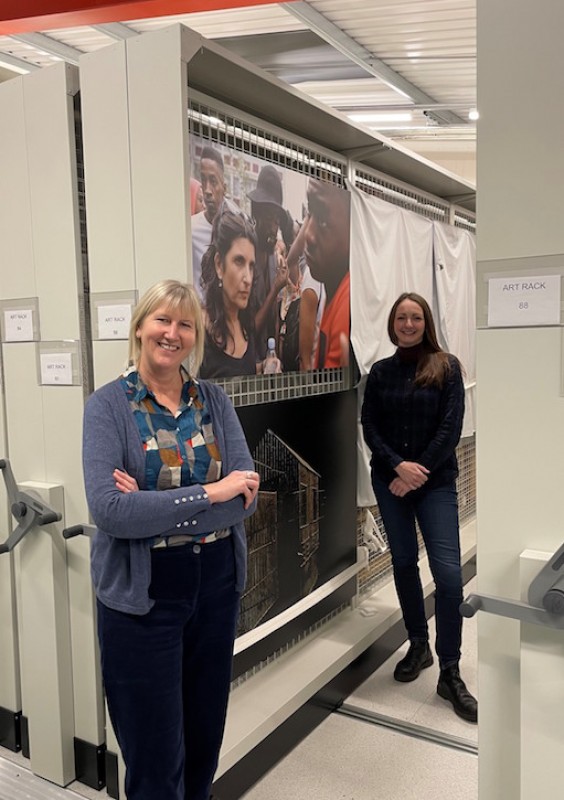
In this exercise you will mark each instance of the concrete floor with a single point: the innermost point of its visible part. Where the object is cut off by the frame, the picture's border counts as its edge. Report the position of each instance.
(349, 759)
(344, 758)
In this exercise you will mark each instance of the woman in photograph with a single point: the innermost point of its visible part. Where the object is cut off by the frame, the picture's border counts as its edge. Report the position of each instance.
(169, 481)
(412, 419)
(228, 268)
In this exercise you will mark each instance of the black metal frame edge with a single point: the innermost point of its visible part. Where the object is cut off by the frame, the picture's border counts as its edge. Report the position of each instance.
(90, 763)
(10, 729)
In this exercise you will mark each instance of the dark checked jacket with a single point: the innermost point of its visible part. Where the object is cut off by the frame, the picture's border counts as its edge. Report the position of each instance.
(405, 422)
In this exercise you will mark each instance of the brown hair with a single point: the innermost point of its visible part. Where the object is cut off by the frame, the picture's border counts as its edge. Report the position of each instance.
(434, 366)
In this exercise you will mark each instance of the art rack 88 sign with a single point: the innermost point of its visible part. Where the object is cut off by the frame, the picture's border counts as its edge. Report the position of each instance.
(523, 301)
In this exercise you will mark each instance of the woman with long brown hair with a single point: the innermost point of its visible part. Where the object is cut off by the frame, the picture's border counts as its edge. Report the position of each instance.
(412, 419)
(228, 268)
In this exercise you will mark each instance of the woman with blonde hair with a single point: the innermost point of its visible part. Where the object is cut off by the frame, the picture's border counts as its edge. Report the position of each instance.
(169, 481)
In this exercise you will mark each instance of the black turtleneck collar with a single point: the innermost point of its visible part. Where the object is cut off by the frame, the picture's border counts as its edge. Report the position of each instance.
(410, 355)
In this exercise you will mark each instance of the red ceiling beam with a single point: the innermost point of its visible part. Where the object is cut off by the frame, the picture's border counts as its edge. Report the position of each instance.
(20, 16)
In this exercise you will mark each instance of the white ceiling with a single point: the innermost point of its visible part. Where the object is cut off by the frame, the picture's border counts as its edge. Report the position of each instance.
(416, 57)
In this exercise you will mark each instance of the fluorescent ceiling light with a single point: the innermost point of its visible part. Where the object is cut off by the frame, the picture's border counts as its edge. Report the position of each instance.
(396, 116)
(11, 65)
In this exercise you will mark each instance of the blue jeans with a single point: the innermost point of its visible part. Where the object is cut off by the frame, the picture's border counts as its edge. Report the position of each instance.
(436, 511)
(167, 673)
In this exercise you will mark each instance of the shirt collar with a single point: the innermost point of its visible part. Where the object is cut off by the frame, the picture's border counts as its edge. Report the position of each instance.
(140, 390)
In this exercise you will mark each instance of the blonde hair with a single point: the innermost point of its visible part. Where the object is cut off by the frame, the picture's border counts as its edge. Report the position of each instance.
(172, 295)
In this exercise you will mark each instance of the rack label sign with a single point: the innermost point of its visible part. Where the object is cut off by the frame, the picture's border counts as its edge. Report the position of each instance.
(113, 321)
(519, 302)
(56, 369)
(18, 325)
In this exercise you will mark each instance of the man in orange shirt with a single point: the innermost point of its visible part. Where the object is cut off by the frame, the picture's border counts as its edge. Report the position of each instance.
(327, 249)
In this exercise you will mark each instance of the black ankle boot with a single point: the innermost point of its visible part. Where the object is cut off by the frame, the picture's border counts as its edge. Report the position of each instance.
(451, 687)
(418, 657)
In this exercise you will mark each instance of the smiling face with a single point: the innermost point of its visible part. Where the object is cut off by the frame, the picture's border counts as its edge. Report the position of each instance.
(236, 272)
(409, 324)
(167, 337)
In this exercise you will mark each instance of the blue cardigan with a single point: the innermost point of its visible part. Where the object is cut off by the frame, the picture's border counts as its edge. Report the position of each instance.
(127, 523)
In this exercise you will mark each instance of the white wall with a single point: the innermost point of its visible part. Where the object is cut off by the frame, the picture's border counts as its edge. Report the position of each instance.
(520, 411)
(457, 157)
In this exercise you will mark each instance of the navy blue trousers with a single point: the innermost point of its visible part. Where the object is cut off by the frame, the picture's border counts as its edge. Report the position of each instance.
(436, 511)
(167, 673)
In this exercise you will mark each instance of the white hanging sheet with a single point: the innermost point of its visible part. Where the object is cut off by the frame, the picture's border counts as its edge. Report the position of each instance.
(454, 253)
(391, 253)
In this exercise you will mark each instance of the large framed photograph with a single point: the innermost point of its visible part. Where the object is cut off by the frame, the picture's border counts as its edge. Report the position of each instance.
(270, 261)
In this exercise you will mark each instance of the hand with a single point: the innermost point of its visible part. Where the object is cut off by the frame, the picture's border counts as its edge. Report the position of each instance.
(412, 474)
(281, 277)
(245, 482)
(398, 487)
(124, 482)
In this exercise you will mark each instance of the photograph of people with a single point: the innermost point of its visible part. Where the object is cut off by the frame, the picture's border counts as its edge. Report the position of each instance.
(212, 179)
(228, 269)
(412, 419)
(327, 246)
(196, 197)
(169, 481)
(271, 268)
(311, 302)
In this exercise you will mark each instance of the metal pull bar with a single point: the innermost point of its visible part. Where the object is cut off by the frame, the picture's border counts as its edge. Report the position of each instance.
(77, 530)
(30, 511)
(512, 609)
(545, 595)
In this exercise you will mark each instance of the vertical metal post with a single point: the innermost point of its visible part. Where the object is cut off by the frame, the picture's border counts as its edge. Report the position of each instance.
(47, 688)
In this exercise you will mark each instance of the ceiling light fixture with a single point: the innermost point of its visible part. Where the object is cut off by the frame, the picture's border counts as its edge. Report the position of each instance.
(398, 116)
(473, 114)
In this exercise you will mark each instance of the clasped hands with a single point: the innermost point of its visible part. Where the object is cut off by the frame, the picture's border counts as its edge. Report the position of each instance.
(239, 481)
(410, 476)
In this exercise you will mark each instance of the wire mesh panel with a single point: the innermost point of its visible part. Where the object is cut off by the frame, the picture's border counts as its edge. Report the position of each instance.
(379, 185)
(220, 125)
(249, 390)
(465, 219)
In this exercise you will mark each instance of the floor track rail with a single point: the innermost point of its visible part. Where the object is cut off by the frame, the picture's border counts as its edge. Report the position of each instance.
(408, 728)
